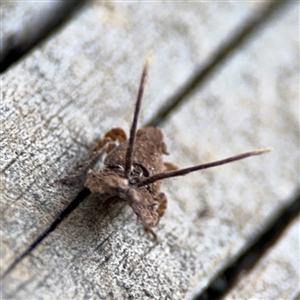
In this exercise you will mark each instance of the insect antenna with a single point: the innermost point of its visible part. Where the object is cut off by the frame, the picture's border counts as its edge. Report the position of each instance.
(129, 152)
(185, 171)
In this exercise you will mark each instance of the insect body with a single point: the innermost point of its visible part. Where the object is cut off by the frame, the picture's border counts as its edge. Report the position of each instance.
(133, 170)
(147, 201)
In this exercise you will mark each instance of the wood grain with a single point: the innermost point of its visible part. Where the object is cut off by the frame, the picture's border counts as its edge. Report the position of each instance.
(277, 274)
(82, 82)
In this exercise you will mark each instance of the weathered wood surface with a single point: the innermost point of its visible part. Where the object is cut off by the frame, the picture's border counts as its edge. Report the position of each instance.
(24, 24)
(82, 82)
(277, 269)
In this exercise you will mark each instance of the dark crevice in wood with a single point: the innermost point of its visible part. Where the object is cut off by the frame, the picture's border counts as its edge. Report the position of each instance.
(296, 296)
(18, 44)
(248, 259)
(80, 197)
(10, 163)
(273, 232)
(225, 50)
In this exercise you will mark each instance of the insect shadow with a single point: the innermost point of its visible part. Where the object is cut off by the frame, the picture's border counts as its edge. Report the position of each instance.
(133, 169)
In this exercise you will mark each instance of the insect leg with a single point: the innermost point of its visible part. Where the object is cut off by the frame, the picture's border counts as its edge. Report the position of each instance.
(149, 229)
(170, 166)
(162, 204)
(104, 145)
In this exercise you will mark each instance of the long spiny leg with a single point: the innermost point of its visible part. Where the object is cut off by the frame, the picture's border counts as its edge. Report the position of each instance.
(129, 152)
(185, 171)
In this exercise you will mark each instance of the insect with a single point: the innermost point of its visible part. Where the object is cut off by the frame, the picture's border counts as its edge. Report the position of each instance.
(133, 169)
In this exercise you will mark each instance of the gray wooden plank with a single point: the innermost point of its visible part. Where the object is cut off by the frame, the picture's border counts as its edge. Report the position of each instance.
(257, 96)
(25, 23)
(297, 295)
(56, 97)
(277, 274)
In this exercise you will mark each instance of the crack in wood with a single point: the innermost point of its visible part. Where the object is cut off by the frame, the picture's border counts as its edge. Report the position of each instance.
(225, 50)
(248, 259)
(17, 46)
(80, 197)
(10, 163)
(280, 222)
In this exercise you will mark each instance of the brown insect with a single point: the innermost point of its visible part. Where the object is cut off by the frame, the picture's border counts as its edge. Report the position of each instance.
(133, 170)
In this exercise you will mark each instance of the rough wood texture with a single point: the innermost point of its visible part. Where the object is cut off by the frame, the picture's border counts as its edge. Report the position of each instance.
(82, 82)
(24, 24)
(277, 269)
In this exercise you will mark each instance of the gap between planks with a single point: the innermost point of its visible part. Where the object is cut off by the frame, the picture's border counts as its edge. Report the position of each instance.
(274, 229)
